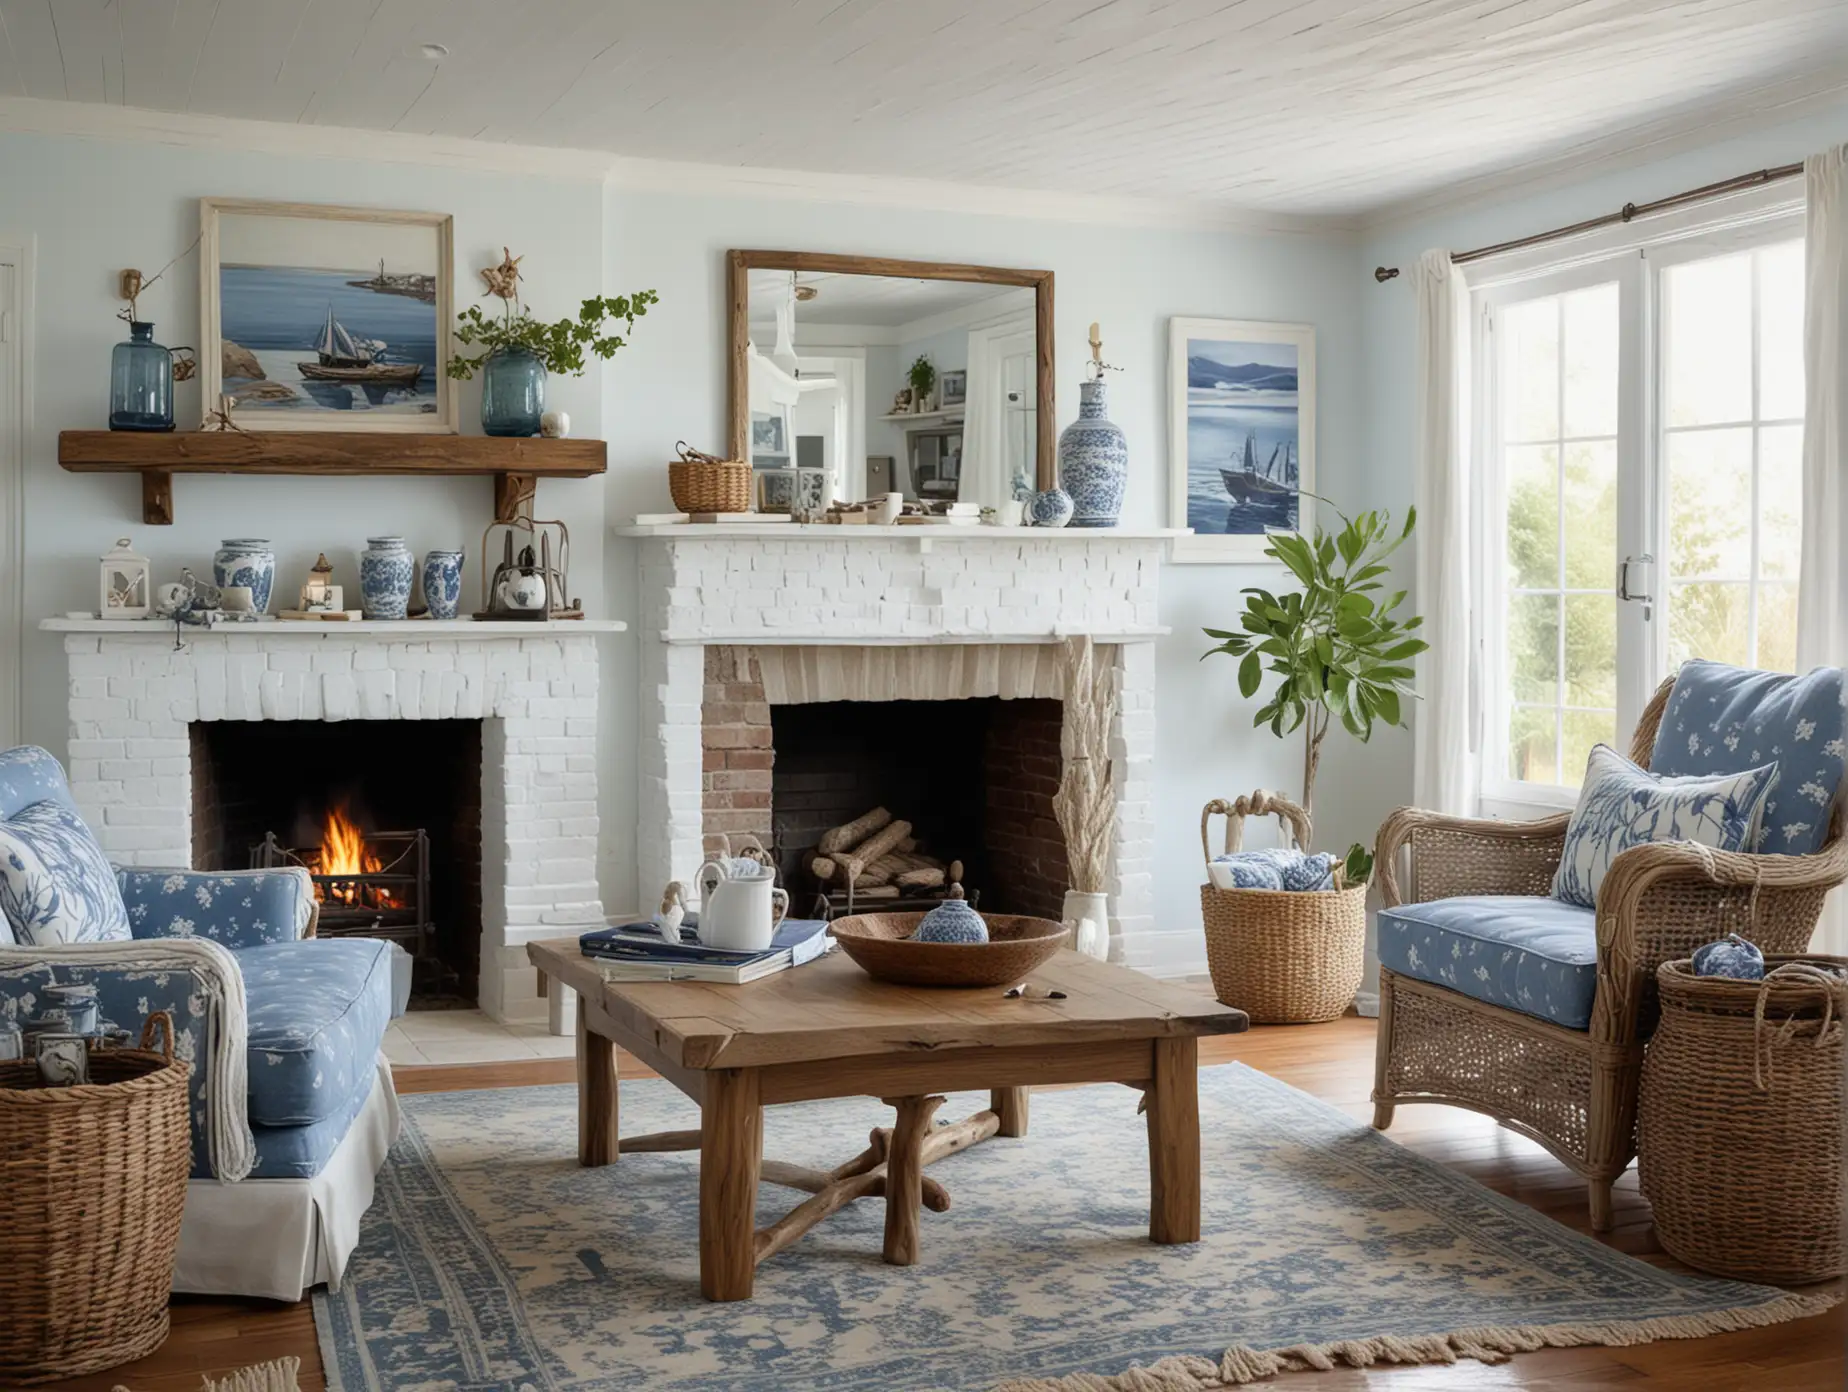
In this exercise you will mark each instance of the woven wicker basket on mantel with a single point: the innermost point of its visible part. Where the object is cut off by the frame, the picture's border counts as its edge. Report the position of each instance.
(1740, 1126)
(92, 1183)
(1284, 957)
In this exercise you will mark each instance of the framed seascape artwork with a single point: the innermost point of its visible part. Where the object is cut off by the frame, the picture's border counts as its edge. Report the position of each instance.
(1241, 434)
(326, 318)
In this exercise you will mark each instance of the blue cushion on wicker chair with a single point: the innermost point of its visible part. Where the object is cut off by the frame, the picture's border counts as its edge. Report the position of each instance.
(1528, 953)
(1722, 719)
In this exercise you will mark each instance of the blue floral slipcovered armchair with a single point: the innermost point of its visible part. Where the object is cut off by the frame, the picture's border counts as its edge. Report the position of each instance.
(282, 1030)
(1519, 980)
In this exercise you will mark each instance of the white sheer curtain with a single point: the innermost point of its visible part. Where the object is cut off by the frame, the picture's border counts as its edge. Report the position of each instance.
(984, 459)
(1445, 746)
(1822, 597)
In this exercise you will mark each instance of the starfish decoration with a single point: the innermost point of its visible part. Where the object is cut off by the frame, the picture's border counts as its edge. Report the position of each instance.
(504, 279)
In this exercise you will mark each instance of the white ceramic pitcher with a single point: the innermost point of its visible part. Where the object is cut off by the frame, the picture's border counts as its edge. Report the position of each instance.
(739, 912)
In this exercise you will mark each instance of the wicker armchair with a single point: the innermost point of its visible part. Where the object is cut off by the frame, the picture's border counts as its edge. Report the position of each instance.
(1573, 1091)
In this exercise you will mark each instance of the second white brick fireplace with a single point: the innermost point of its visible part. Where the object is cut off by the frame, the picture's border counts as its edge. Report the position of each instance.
(836, 600)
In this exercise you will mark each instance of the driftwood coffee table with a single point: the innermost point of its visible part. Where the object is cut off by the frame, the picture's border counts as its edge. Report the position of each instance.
(829, 1030)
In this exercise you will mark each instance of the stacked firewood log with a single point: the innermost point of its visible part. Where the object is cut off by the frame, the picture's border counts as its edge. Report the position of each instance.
(877, 857)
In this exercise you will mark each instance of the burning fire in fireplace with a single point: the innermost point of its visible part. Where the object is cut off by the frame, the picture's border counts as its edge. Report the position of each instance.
(345, 852)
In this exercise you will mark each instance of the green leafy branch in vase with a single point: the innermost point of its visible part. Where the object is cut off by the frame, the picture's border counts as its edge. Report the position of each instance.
(559, 346)
(1341, 650)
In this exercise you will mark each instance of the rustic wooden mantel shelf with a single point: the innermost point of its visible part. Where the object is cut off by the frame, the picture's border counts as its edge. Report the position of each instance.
(516, 464)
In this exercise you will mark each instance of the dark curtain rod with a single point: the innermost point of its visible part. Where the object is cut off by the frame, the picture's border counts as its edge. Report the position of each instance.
(1627, 213)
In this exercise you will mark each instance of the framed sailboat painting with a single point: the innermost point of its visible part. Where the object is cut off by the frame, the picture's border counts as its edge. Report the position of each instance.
(326, 318)
(1241, 446)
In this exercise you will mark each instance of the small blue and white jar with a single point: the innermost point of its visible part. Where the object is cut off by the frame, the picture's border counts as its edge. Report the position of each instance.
(246, 561)
(1094, 461)
(385, 569)
(442, 584)
(1051, 508)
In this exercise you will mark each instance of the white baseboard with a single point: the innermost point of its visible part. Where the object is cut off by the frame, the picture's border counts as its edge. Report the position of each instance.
(1367, 1004)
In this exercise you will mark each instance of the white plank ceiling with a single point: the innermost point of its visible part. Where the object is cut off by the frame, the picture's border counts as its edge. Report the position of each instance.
(1335, 107)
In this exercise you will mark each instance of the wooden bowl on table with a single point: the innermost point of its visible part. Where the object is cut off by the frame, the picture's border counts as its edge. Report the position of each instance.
(881, 945)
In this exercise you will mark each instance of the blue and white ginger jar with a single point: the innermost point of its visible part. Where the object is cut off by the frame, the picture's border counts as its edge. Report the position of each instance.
(1051, 508)
(246, 561)
(385, 568)
(442, 584)
(1093, 461)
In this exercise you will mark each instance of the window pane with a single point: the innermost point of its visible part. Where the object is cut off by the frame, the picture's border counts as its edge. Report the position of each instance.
(1710, 504)
(1780, 332)
(1533, 647)
(1590, 488)
(1533, 516)
(1780, 500)
(1709, 620)
(1591, 361)
(1777, 628)
(1582, 730)
(1591, 650)
(1709, 349)
(1532, 733)
(1530, 370)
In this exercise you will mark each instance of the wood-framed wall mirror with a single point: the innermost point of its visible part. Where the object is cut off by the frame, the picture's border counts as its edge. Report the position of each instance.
(824, 400)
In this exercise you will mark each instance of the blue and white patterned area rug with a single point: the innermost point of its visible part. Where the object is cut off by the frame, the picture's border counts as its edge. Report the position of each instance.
(491, 1261)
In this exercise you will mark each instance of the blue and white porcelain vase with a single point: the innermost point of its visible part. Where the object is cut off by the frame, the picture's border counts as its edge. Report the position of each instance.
(1093, 461)
(952, 921)
(442, 584)
(246, 561)
(385, 568)
(1050, 508)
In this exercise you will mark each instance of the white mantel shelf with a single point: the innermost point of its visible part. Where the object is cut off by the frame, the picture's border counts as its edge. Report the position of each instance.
(449, 630)
(771, 638)
(822, 532)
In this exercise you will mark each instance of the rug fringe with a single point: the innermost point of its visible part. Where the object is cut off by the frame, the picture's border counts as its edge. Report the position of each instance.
(278, 1375)
(1484, 1344)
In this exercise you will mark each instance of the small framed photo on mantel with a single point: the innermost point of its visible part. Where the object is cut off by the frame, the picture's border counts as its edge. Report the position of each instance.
(1241, 444)
(316, 317)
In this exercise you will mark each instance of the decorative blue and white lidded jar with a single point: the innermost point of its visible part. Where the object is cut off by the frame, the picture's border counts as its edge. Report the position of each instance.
(1093, 452)
(442, 584)
(952, 921)
(246, 561)
(1051, 507)
(385, 568)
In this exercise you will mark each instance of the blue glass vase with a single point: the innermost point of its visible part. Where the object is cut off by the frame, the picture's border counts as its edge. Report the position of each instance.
(140, 382)
(512, 392)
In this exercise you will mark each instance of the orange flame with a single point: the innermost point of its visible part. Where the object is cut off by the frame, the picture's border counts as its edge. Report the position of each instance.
(344, 852)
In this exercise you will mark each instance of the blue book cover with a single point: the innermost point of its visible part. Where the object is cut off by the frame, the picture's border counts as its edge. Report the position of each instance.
(802, 938)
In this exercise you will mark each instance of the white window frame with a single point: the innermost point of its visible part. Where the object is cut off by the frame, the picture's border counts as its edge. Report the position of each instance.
(1636, 253)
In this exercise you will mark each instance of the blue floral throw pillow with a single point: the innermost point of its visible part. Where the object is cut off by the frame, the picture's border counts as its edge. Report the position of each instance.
(56, 886)
(1621, 805)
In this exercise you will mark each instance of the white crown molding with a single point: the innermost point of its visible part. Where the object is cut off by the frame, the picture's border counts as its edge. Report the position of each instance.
(88, 120)
(1749, 113)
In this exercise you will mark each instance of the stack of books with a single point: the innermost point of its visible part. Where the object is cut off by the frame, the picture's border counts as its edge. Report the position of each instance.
(638, 952)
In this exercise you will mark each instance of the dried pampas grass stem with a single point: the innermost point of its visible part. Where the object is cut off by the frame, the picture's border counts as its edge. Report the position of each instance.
(1085, 804)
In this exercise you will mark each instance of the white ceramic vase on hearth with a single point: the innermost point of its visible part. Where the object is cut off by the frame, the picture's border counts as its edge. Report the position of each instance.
(1088, 918)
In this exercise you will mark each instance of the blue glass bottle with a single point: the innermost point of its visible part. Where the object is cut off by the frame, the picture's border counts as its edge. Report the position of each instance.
(140, 382)
(512, 392)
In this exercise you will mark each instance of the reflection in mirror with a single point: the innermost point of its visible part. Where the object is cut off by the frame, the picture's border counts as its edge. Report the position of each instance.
(861, 385)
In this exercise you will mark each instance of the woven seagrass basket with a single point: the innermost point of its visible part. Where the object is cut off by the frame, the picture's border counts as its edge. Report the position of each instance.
(1284, 957)
(706, 483)
(1740, 1124)
(92, 1181)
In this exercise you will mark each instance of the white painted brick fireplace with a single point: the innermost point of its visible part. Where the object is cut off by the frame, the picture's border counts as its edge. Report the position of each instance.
(133, 695)
(846, 587)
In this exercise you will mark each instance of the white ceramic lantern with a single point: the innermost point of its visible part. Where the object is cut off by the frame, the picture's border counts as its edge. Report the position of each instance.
(124, 584)
(321, 595)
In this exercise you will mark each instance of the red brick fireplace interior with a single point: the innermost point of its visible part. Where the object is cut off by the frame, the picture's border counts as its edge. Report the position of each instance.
(330, 792)
(974, 777)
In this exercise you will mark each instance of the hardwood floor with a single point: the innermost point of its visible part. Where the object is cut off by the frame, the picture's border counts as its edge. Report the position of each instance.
(1335, 1062)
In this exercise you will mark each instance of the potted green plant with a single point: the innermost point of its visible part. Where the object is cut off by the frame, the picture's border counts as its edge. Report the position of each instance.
(923, 377)
(519, 350)
(1341, 650)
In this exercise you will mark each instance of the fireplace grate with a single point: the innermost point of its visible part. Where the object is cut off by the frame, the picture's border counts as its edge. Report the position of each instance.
(388, 898)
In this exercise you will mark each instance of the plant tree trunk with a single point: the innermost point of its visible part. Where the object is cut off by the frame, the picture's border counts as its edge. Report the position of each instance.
(1315, 729)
